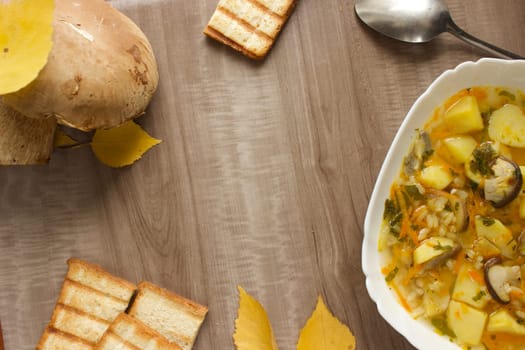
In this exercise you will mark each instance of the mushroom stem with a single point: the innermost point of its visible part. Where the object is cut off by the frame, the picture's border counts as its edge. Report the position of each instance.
(23, 140)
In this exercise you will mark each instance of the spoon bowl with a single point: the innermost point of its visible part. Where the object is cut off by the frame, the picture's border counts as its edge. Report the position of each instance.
(418, 21)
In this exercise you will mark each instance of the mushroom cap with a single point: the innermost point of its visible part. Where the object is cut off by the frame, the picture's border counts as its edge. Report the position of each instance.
(100, 73)
(505, 184)
(500, 279)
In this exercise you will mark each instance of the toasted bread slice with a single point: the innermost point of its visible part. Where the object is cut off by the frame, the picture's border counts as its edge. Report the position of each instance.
(111, 341)
(78, 323)
(96, 277)
(176, 318)
(53, 339)
(133, 332)
(249, 26)
(91, 301)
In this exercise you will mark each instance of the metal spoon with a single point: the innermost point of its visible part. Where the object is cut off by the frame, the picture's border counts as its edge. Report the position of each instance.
(418, 21)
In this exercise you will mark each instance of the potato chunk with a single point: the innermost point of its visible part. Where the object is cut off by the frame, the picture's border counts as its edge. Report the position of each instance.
(435, 176)
(497, 233)
(469, 287)
(507, 125)
(466, 322)
(502, 321)
(485, 248)
(464, 116)
(460, 147)
(432, 248)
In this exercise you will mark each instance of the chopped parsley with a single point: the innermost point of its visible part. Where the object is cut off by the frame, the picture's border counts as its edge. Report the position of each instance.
(392, 274)
(487, 221)
(478, 296)
(391, 210)
(393, 216)
(482, 156)
(413, 192)
(441, 325)
(442, 247)
(426, 155)
(486, 116)
(507, 94)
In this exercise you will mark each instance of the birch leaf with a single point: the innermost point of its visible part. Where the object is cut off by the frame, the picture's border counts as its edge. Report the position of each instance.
(63, 140)
(123, 145)
(253, 330)
(25, 41)
(325, 332)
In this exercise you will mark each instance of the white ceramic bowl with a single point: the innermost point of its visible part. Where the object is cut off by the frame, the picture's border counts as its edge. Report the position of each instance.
(487, 71)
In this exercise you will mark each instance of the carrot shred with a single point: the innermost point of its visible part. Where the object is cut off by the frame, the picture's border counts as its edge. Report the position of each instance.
(516, 294)
(441, 193)
(476, 276)
(402, 299)
(411, 273)
(406, 230)
(459, 261)
(389, 268)
(455, 98)
(479, 94)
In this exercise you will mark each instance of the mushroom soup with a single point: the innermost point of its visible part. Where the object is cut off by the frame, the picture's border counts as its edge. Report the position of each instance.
(454, 224)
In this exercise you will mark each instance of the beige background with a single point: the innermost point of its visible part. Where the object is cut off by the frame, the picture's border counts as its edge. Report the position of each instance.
(262, 180)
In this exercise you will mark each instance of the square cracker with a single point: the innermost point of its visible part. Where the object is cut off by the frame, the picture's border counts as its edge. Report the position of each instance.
(249, 26)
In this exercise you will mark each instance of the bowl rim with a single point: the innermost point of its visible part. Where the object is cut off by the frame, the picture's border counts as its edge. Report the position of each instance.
(486, 71)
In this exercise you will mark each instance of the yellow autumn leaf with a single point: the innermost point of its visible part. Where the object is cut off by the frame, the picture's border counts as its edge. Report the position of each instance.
(63, 140)
(325, 332)
(25, 41)
(123, 145)
(253, 330)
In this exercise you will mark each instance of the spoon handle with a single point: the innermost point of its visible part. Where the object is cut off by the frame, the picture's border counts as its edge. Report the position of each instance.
(453, 29)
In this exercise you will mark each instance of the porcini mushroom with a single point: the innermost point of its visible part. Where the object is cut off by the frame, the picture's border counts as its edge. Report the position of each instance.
(521, 243)
(501, 279)
(23, 140)
(505, 182)
(459, 208)
(420, 149)
(100, 73)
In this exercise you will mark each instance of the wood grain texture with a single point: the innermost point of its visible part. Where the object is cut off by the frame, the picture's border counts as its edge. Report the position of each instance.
(262, 180)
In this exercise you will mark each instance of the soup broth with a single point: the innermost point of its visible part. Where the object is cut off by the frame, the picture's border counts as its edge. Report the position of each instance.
(454, 223)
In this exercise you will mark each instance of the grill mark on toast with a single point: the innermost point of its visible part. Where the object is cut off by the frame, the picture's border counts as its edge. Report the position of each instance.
(266, 10)
(80, 313)
(287, 6)
(50, 331)
(53, 330)
(96, 291)
(63, 323)
(138, 333)
(243, 23)
(122, 340)
(88, 273)
(85, 298)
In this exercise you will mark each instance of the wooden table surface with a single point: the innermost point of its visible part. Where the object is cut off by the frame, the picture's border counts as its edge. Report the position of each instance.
(262, 180)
